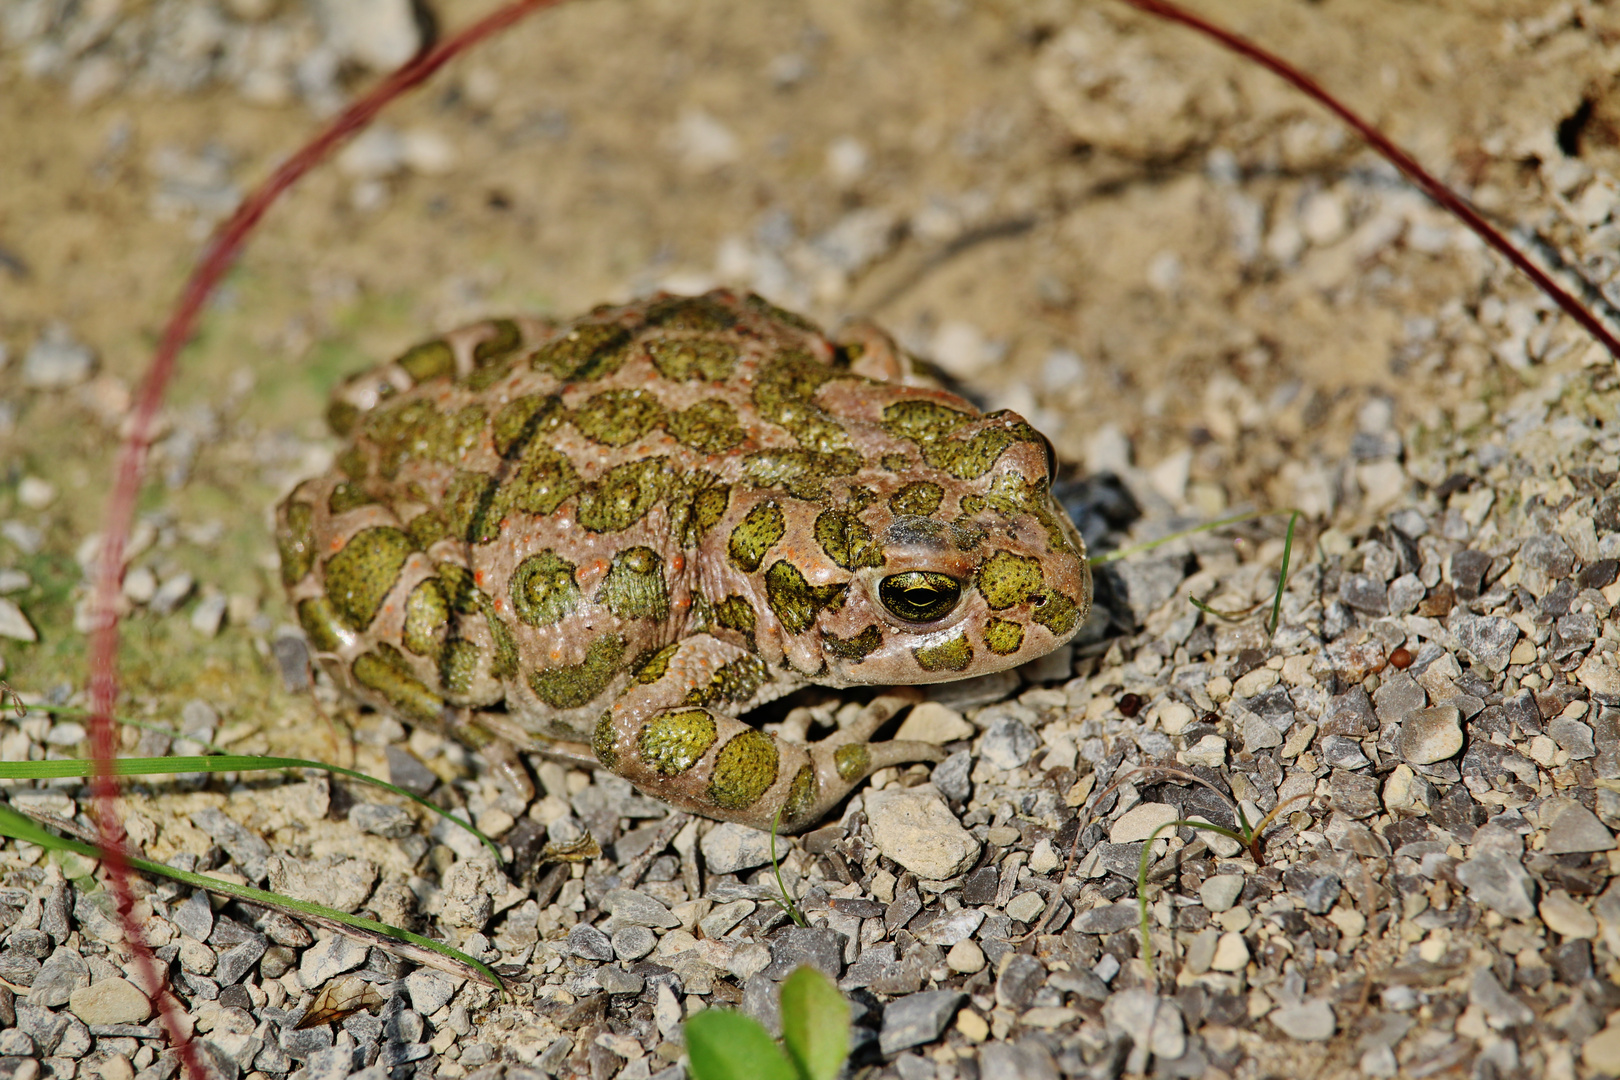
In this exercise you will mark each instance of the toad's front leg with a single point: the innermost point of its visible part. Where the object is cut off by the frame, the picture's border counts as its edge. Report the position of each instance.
(674, 734)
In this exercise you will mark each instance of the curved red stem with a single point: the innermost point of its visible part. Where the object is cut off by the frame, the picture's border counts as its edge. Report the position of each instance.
(1434, 188)
(217, 258)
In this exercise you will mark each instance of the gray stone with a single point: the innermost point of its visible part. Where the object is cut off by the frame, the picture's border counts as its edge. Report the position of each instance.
(917, 1019)
(1148, 582)
(1572, 828)
(1364, 593)
(334, 1062)
(1549, 554)
(587, 941)
(378, 34)
(798, 946)
(247, 849)
(56, 361)
(1312, 1020)
(1220, 892)
(1353, 794)
(1502, 1010)
(1468, 568)
(1027, 1060)
(236, 961)
(1009, 743)
(729, 848)
(980, 886)
(1020, 976)
(615, 980)
(195, 917)
(111, 1001)
(1350, 714)
(1397, 696)
(631, 908)
(1405, 593)
(330, 958)
(44, 1026)
(332, 880)
(1259, 734)
(14, 624)
(1316, 892)
(633, 942)
(953, 777)
(915, 828)
(1431, 735)
(719, 922)
(429, 991)
(406, 771)
(1574, 736)
(1489, 639)
(1341, 753)
(1498, 880)
(58, 977)
(947, 930)
(392, 822)
(1107, 919)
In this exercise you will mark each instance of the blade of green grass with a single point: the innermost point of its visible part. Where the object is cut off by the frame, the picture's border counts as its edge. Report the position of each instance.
(1282, 575)
(216, 763)
(18, 827)
(784, 901)
(1142, 874)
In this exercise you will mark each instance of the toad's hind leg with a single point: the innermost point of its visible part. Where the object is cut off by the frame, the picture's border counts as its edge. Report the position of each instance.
(671, 734)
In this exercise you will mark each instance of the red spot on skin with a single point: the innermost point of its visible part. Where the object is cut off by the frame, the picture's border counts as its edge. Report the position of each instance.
(337, 545)
(678, 563)
(478, 577)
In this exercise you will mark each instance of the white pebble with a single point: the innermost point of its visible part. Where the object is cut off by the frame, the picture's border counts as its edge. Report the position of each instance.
(34, 493)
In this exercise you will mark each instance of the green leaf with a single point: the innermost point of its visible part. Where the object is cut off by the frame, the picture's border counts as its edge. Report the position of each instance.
(815, 1024)
(724, 1045)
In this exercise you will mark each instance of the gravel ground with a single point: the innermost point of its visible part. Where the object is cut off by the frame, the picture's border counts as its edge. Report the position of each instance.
(1208, 297)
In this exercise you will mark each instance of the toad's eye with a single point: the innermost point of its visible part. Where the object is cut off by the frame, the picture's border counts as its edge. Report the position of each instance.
(919, 596)
(1051, 459)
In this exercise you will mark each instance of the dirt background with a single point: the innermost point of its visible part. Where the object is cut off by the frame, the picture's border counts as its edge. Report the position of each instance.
(1209, 288)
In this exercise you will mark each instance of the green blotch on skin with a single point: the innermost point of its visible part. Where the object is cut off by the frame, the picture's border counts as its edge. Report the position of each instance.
(649, 667)
(360, 576)
(577, 684)
(782, 395)
(1006, 579)
(932, 426)
(602, 742)
(591, 351)
(353, 464)
(427, 618)
(417, 430)
(474, 504)
(952, 654)
(524, 421)
(853, 761)
(673, 742)
(1003, 637)
(320, 624)
(736, 613)
(634, 587)
(795, 601)
(697, 502)
(855, 648)
(428, 360)
(466, 598)
(426, 529)
(690, 313)
(506, 337)
(896, 463)
(346, 497)
(801, 795)
(295, 541)
(341, 416)
(764, 307)
(543, 480)
(754, 535)
(623, 495)
(543, 589)
(846, 540)
(803, 474)
(618, 417)
(1057, 613)
(736, 681)
(709, 427)
(920, 499)
(681, 359)
(922, 421)
(744, 770)
(385, 671)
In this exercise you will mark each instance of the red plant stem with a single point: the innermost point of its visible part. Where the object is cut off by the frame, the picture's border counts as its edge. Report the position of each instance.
(222, 250)
(1439, 192)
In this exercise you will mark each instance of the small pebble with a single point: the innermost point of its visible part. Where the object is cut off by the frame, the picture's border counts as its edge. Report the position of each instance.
(965, 957)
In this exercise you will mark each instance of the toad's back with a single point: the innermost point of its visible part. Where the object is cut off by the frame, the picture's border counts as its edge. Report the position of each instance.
(632, 528)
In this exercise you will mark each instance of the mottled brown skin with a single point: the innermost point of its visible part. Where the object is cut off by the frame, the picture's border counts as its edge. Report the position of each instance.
(631, 529)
